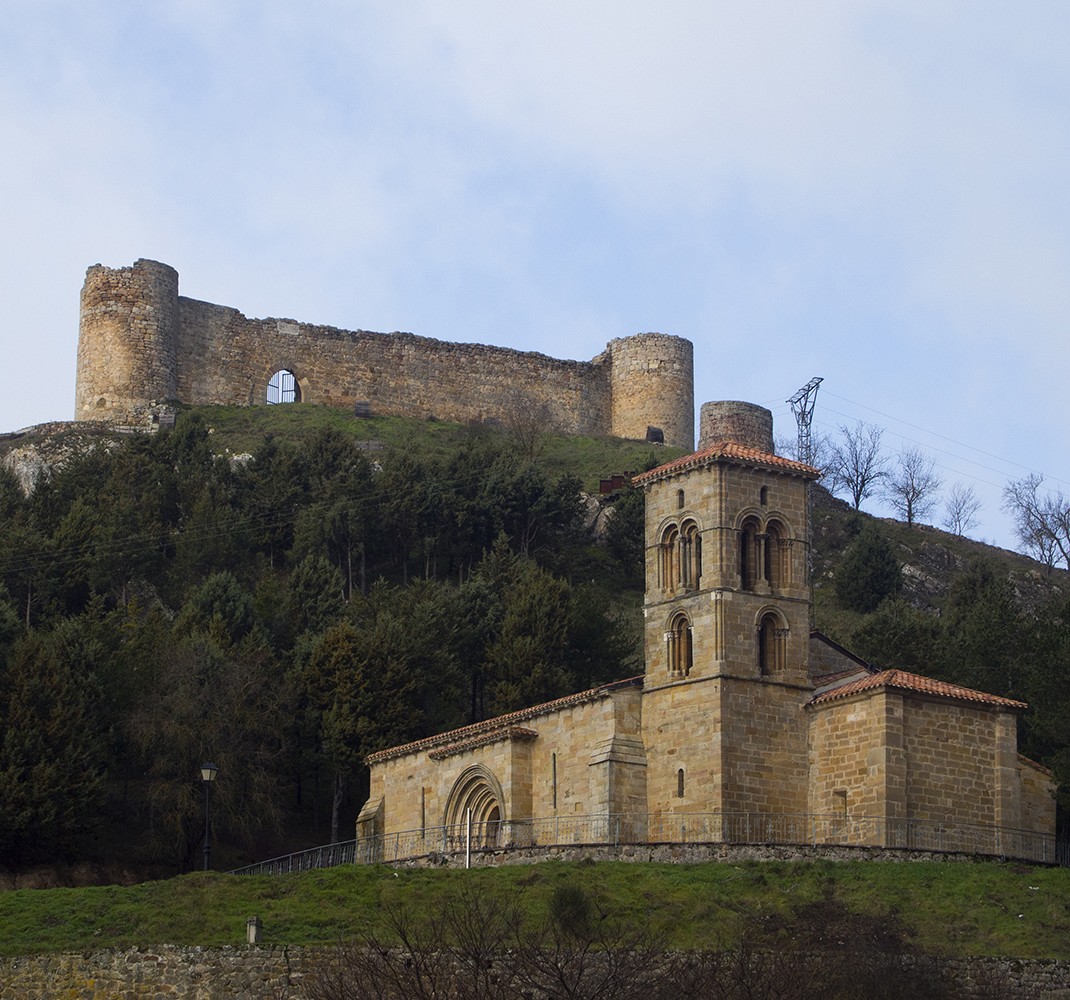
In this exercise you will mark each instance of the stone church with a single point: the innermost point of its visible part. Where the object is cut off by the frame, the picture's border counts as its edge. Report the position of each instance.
(747, 725)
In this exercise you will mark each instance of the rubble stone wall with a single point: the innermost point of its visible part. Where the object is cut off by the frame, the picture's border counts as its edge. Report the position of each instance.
(276, 973)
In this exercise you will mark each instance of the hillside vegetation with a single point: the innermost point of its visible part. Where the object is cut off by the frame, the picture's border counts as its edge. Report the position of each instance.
(283, 590)
(939, 908)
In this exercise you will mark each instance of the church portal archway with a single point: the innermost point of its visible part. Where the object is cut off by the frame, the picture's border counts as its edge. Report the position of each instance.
(477, 789)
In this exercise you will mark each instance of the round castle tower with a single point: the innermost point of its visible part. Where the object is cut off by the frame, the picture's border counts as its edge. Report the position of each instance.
(127, 337)
(652, 387)
(742, 423)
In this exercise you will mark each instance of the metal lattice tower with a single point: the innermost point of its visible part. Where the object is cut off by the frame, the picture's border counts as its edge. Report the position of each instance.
(802, 405)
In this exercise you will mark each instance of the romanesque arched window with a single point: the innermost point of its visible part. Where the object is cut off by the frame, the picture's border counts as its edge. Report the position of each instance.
(776, 551)
(772, 644)
(749, 554)
(678, 639)
(283, 387)
(691, 555)
(669, 558)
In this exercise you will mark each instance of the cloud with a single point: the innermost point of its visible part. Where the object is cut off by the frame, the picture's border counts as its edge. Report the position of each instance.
(875, 192)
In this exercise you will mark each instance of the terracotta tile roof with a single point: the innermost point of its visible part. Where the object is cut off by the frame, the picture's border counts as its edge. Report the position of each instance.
(501, 722)
(823, 682)
(506, 733)
(901, 680)
(727, 451)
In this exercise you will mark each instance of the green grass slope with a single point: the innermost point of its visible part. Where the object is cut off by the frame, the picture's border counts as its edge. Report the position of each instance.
(945, 909)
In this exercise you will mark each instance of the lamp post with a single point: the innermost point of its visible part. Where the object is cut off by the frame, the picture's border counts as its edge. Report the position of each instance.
(208, 773)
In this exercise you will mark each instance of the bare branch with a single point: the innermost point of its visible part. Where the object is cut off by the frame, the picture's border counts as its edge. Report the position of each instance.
(960, 511)
(821, 448)
(1041, 520)
(527, 421)
(857, 465)
(912, 487)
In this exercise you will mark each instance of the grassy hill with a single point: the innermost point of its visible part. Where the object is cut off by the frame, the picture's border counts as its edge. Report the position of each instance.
(941, 908)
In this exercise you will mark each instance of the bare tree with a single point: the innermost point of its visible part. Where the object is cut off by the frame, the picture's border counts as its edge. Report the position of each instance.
(960, 511)
(911, 488)
(479, 946)
(528, 421)
(1041, 520)
(821, 448)
(857, 466)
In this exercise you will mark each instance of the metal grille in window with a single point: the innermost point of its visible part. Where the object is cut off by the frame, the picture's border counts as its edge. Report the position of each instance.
(283, 388)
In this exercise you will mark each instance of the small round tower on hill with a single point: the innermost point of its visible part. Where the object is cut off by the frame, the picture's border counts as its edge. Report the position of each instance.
(742, 423)
(652, 386)
(127, 341)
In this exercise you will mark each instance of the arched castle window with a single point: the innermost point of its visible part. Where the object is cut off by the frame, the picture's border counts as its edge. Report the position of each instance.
(772, 644)
(750, 562)
(678, 641)
(669, 558)
(283, 388)
(691, 555)
(680, 783)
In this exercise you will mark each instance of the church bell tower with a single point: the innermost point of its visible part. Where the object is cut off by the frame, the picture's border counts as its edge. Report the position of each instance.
(727, 619)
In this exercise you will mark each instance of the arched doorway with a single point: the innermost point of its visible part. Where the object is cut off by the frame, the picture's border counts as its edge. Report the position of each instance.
(479, 791)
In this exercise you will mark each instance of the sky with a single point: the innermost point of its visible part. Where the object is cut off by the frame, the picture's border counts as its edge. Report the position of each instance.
(876, 193)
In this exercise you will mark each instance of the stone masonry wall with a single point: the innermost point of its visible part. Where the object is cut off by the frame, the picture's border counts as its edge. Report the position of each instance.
(951, 762)
(847, 766)
(415, 786)
(143, 348)
(241, 973)
(1038, 797)
(732, 420)
(276, 973)
(127, 342)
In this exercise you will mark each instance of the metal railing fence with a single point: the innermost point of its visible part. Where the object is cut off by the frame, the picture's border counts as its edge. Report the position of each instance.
(732, 828)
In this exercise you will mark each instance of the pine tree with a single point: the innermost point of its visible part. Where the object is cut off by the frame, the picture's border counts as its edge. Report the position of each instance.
(869, 572)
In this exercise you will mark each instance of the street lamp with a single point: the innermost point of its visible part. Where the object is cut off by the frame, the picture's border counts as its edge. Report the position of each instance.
(208, 773)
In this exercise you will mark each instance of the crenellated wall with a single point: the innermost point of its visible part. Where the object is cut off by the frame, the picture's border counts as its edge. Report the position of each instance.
(143, 348)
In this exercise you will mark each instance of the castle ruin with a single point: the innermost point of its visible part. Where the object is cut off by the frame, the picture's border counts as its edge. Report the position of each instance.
(143, 349)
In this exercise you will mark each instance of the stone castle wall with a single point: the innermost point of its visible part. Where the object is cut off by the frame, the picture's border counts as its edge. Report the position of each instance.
(143, 348)
(127, 342)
